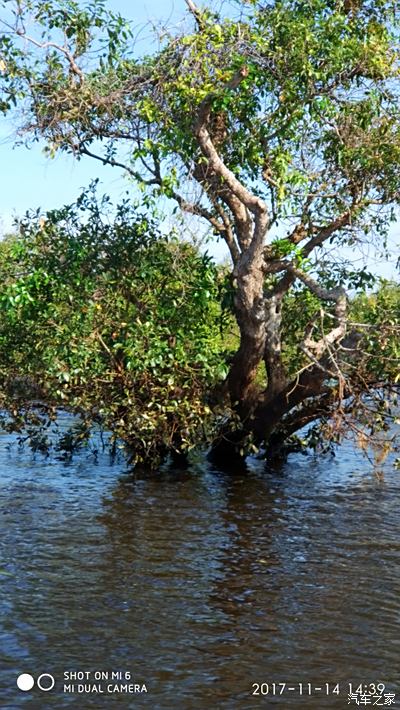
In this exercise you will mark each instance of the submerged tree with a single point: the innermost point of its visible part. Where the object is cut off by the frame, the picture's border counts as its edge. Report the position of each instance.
(102, 315)
(277, 124)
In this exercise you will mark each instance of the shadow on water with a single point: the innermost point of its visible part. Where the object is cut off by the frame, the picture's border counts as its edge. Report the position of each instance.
(199, 582)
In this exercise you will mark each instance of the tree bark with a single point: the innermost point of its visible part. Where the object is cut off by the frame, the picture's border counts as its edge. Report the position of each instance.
(250, 315)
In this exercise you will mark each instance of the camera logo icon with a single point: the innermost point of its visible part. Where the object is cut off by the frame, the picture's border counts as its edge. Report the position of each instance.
(44, 682)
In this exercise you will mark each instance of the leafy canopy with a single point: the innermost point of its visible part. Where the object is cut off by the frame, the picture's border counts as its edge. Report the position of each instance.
(277, 123)
(110, 319)
(316, 116)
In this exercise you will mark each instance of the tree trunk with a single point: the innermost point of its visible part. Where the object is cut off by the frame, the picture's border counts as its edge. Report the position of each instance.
(271, 412)
(251, 321)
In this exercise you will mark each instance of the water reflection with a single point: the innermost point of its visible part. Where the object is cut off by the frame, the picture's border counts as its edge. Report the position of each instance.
(199, 582)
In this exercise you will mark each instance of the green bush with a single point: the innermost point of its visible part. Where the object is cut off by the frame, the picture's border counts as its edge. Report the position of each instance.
(109, 318)
(378, 315)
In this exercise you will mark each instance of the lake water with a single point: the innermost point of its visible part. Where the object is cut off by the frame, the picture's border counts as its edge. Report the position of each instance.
(198, 584)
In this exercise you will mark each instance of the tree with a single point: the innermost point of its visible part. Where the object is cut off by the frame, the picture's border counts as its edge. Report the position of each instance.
(277, 124)
(102, 315)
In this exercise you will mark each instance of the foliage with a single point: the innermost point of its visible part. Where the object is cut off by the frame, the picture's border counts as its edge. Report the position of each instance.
(110, 318)
(275, 122)
(378, 314)
(317, 90)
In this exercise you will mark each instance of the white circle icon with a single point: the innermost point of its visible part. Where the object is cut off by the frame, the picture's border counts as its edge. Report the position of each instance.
(48, 684)
(25, 681)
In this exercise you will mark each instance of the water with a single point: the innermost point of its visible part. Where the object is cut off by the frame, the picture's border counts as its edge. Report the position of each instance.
(198, 583)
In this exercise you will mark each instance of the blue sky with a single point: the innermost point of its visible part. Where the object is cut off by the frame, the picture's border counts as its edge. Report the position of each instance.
(30, 180)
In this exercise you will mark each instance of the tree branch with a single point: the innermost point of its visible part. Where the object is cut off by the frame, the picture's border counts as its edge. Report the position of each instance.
(339, 296)
(82, 150)
(253, 203)
(344, 220)
(297, 419)
(45, 45)
(196, 13)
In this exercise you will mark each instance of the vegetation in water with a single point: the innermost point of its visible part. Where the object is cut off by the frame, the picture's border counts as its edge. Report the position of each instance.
(274, 123)
(103, 315)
